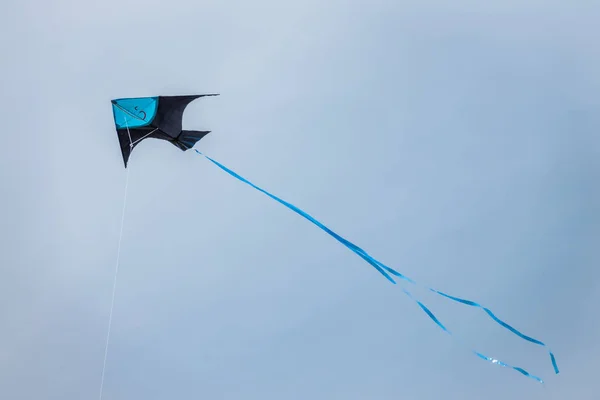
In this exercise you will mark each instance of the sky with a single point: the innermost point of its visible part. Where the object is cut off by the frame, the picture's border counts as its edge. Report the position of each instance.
(455, 141)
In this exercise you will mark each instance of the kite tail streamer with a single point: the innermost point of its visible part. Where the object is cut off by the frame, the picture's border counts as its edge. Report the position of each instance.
(387, 272)
(478, 354)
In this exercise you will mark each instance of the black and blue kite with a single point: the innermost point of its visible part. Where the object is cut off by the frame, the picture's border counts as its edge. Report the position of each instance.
(157, 117)
(161, 117)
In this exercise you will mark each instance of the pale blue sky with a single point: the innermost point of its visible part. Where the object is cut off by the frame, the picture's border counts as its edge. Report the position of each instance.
(457, 143)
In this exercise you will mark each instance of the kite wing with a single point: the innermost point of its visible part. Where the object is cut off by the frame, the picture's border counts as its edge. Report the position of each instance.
(157, 117)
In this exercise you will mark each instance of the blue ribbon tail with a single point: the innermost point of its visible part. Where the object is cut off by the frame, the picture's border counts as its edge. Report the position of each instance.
(388, 272)
(432, 316)
(501, 323)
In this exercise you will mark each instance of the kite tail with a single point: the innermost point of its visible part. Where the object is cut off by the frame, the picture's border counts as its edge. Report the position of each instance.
(387, 272)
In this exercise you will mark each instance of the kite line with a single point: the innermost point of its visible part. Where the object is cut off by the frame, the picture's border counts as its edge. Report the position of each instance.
(114, 289)
(387, 272)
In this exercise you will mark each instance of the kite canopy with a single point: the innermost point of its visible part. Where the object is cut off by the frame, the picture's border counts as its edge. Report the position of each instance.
(158, 117)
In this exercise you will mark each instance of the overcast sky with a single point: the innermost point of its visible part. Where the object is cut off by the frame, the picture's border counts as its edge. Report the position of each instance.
(456, 143)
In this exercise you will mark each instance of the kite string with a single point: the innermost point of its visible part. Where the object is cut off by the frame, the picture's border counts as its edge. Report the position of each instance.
(114, 289)
(383, 269)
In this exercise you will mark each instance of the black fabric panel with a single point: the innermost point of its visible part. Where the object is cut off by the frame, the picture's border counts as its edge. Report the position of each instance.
(188, 139)
(169, 115)
(136, 138)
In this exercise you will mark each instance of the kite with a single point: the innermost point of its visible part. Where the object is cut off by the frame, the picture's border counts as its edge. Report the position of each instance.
(161, 117)
(154, 117)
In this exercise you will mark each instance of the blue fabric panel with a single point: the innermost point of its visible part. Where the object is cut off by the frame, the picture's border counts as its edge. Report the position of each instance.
(134, 112)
